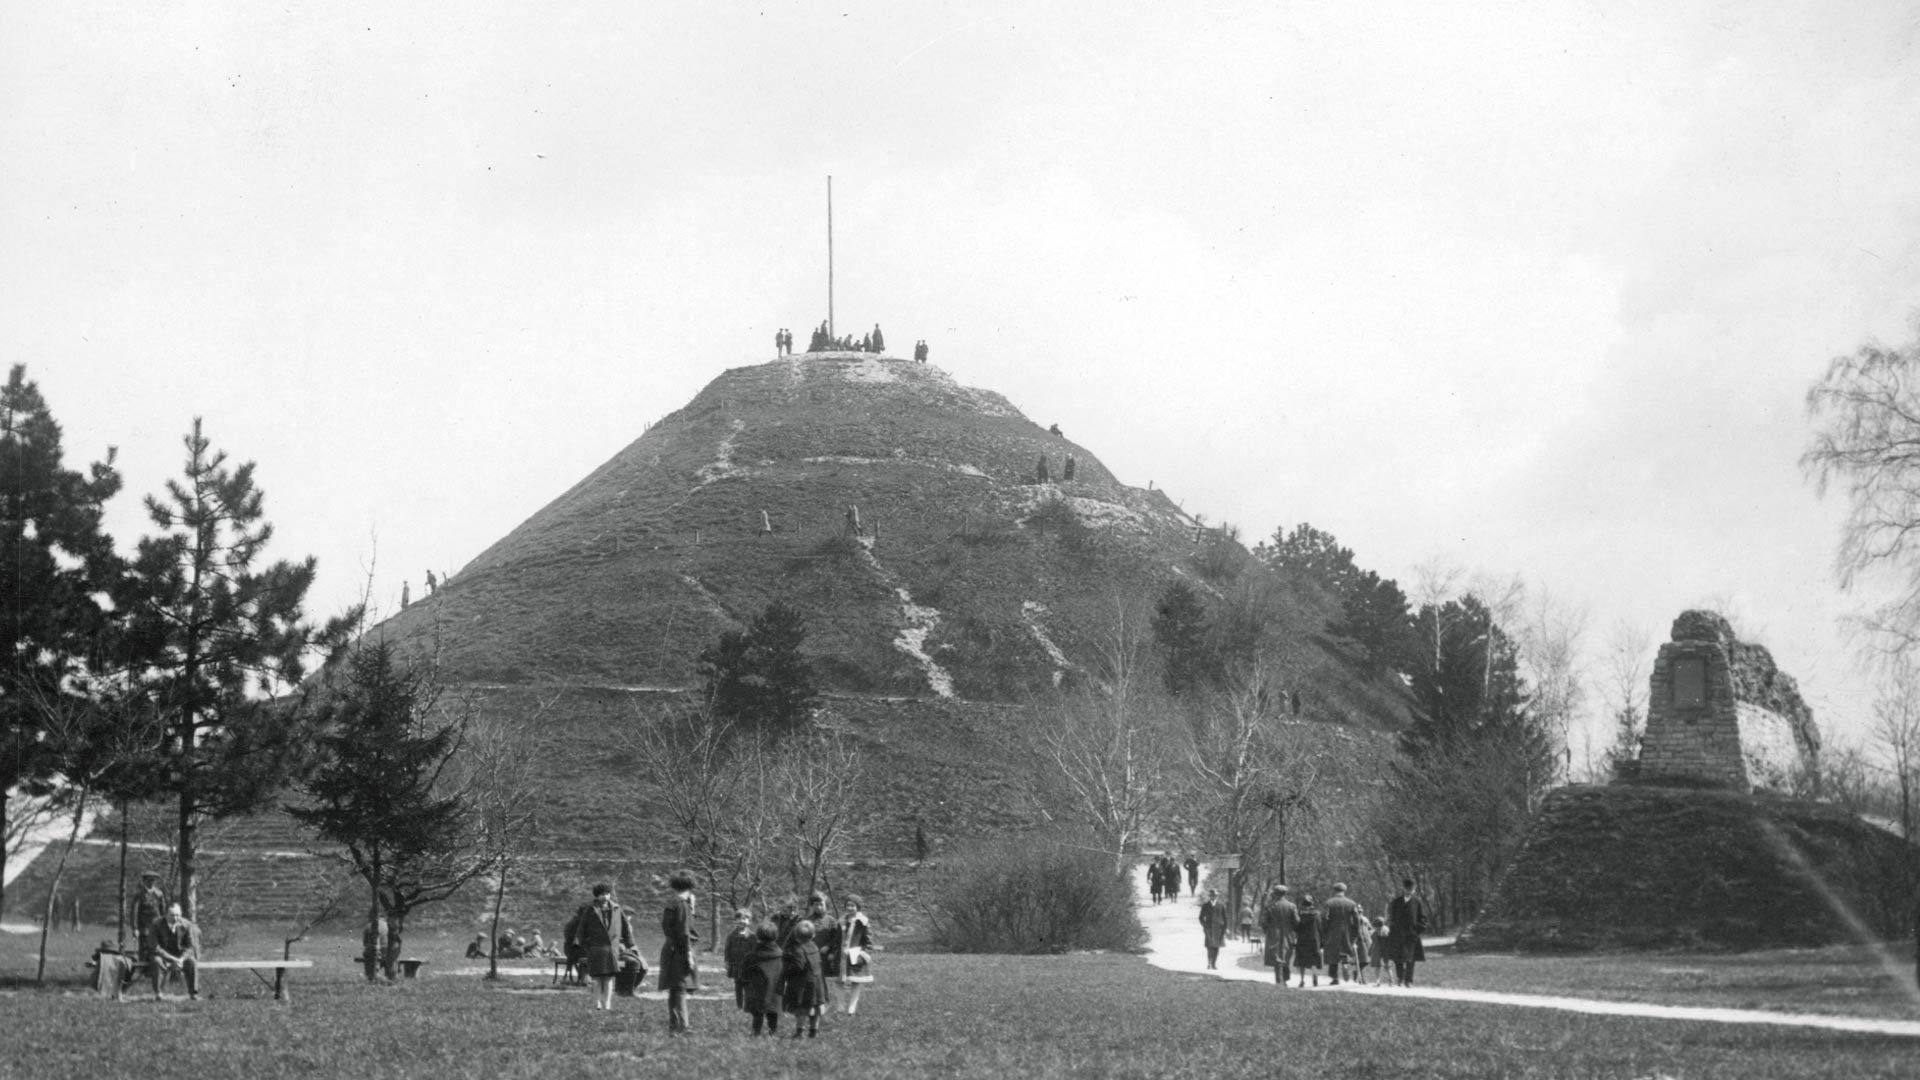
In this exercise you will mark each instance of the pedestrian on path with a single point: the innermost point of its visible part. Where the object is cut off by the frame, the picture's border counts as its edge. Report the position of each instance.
(1306, 941)
(1406, 921)
(1278, 922)
(1193, 875)
(1246, 920)
(1213, 923)
(1342, 931)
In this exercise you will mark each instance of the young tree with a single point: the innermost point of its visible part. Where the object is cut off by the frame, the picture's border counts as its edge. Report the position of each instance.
(1865, 412)
(758, 680)
(1896, 727)
(219, 634)
(1550, 646)
(816, 787)
(497, 763)
(1104, 759)
(1624, 690)
(1180, 629)
(58, 566)
(385, 790)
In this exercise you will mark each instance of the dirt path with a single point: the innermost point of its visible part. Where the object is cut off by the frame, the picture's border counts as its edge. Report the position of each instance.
(1174, 943)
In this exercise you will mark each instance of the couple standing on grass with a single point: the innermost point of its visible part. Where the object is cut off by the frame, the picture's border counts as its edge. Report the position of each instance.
(602, 932)
(1305, 937)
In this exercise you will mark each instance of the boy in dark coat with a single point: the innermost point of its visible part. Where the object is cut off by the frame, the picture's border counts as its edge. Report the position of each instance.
(805, 990)
(739, 947)
(762, 975)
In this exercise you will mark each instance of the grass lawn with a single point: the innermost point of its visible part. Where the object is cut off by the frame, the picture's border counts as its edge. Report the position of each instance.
(930, 1015)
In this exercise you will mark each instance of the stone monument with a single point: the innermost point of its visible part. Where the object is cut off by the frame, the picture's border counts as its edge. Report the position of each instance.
(1720, 713)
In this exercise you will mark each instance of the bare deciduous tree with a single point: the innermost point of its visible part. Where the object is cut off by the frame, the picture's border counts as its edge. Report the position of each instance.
(1550, 650)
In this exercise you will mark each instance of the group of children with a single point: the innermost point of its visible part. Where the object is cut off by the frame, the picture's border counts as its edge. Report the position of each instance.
(784, 963)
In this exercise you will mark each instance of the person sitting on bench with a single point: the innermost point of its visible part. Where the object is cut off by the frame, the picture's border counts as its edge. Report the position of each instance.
(176, 947)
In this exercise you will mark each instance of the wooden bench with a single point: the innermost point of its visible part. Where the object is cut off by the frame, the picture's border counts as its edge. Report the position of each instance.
(278, 967)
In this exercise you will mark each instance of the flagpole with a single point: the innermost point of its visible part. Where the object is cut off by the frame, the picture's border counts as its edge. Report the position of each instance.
(829, 256)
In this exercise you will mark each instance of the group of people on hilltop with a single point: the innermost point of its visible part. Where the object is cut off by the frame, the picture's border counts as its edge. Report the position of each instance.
(1338, 935)
(1163, 877)
(779, 965)
(874, 341)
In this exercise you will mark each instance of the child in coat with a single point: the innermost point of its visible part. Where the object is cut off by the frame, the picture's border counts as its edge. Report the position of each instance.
(739, 947)
(804, 993)
(763, 974)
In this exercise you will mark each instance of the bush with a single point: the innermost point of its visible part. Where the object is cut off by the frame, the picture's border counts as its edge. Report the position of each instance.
(1032, 895)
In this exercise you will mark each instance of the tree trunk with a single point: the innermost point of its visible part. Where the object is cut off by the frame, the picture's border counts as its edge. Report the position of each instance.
(53, 890)
(394, 922)
(120, 914)
(189, 874)
(373, 943)
(493, 938)
(5, 805)
(280, 974)
(713, 908)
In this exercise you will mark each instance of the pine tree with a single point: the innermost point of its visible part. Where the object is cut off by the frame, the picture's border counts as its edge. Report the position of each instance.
(1180, 629)
(759, 680)
(382, 788)
(216, 635)
(57, 565)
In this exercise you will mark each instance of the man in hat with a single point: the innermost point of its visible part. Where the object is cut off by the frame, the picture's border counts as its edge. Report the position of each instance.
(145, 909)
(176, 947)
(1340, 938)
(1406, 921)
(1277, 923)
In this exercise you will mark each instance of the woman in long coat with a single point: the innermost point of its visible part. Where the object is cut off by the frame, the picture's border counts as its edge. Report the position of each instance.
(856, 953)
(677, 974)
(1213, 923)
(1306, 941)
(599, 932)
(805, 990)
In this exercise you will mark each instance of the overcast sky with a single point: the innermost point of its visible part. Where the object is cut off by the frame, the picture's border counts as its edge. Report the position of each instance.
(1535, 288)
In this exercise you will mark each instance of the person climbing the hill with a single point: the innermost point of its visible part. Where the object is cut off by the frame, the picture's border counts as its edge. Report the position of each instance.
(1213, 926)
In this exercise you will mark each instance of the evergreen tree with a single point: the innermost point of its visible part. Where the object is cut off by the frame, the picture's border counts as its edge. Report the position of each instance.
(758, 680)
(58, 566)
(1373, 609)
(382, 788)
(216, 634)
(1180, 630)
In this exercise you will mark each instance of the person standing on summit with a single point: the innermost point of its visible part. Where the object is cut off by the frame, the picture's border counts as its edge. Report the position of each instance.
(879, 341)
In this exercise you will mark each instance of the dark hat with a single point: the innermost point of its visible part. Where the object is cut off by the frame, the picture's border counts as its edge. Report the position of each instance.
(149, 875)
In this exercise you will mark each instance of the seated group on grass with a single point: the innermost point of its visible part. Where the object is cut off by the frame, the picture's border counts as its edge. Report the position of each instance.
(782, 965)
(512, 946)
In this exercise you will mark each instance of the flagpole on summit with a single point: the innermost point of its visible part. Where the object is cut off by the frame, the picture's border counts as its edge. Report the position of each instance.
(829, 257)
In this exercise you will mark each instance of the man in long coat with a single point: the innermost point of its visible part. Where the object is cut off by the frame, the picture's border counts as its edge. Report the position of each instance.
(1277, 922)
(1213, 924)
(1340, 938)
(1406, 921)
(601, 931)
(176, 946)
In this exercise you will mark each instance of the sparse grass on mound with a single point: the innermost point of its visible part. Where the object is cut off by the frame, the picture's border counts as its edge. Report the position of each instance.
(971, 1018)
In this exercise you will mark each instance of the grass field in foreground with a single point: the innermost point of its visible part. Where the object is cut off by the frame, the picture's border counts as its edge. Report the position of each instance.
(930, 1015)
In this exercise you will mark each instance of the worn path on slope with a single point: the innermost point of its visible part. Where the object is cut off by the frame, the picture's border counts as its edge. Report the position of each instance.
(1174, 943)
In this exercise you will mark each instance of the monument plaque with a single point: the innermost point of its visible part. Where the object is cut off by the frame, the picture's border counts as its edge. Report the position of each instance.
(1689, 682)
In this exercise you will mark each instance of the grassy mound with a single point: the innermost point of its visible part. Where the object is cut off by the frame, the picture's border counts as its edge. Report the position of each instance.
(1642, 867)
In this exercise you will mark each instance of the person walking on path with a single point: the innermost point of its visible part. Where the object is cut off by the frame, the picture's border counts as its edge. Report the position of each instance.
(1278, 922)
(1406, 921)
(1306, 942)
(1213, 923)
(1155, 886)
(601, 932)
(677, 974)
(1193, 864)
(1342, 935)
(1170, 875)
(1246, 920)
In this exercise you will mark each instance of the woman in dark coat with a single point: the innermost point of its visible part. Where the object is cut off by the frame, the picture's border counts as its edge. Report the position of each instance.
(677, 974)
(600, 932)
(1306, 941)
(763, 973)
(1406, 921)
(805, 991)
(1213, 923)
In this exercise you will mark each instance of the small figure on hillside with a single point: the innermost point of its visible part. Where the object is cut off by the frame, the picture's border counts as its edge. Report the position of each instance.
(853, 521)
(1213, 926)
(921, 849)
(1053, 429)
(1041, 474)
(739, 948)
(1067, 470)
(766, 523)
(1192, 864)
(433, 583)
(677, 973)
(920, 351)
(176, 947)
(406, 594)
(779, 343)
(603, 931)
(866, 343)
(1406, 921)
(1279, 921)
(879, 341)
(763, 978)
(804, 984)
(1306, 941)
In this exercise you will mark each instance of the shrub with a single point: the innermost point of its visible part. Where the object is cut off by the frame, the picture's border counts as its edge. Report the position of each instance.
(1032, 895)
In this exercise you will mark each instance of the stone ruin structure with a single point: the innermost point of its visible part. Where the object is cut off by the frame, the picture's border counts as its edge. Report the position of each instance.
(1720, 713)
